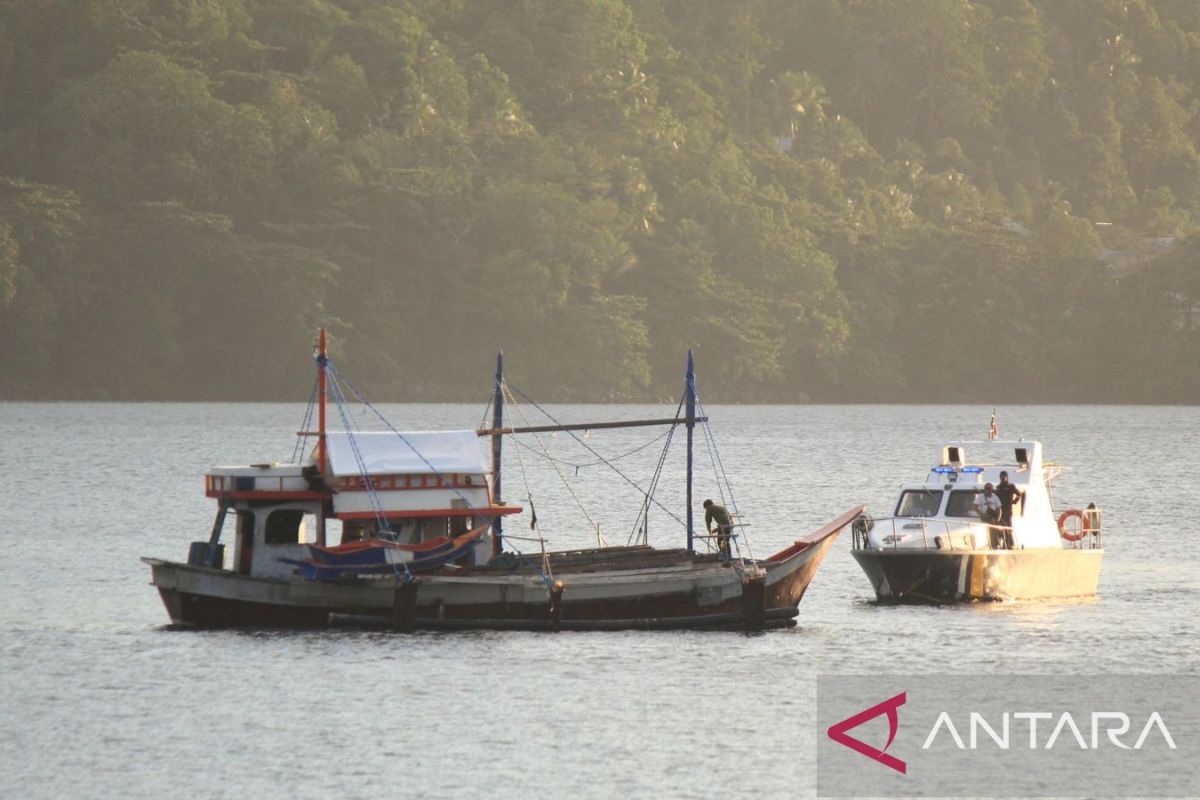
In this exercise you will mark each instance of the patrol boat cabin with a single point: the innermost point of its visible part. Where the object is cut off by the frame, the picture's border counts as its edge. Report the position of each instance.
(938, 545)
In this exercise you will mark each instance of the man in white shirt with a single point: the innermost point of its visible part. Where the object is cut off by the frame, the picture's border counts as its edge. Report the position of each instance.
(987, 506)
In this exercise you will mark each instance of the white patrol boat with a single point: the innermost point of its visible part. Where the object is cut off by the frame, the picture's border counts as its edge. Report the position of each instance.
(937, 546)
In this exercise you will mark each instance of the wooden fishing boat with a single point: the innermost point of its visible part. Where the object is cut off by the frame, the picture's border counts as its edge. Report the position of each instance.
(422, 545)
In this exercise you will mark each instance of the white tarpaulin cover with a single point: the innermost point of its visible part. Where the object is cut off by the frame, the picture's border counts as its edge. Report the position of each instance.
(383, 452)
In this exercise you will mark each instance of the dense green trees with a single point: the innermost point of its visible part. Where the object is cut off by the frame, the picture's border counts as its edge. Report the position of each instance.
(994, 200)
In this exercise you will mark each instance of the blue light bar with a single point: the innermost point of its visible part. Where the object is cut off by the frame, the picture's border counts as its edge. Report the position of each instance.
(944, 470)
(972, 470)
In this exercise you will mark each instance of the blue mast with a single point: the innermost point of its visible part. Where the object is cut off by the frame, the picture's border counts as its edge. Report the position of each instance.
(497, 438)
(690, 395)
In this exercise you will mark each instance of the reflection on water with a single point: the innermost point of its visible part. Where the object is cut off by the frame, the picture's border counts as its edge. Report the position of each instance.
(1035, 615)
(104, 699)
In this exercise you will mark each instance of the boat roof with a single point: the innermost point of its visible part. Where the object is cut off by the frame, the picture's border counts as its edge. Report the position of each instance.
(1025, 453)
(406, 453)
(976, 462)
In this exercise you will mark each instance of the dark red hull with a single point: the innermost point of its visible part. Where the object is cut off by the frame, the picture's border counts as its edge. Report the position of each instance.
(219, 612)
(636, 590)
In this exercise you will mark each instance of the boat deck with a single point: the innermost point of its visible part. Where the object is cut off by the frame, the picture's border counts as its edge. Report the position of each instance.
(597, 560)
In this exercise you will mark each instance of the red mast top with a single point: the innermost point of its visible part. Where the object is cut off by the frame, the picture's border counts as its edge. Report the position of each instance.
(322, 359)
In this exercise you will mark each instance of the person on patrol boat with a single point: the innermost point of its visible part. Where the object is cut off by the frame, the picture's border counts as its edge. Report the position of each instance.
(1008, 495)
(987, 506)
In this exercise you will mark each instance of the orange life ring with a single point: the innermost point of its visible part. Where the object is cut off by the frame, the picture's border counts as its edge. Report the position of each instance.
(1062, 531)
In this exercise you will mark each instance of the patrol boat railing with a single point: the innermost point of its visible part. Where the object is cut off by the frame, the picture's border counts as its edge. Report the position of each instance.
(927, 533)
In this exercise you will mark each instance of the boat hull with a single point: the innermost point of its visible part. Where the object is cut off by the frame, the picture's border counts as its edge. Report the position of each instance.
(953, 577)
(703, 592)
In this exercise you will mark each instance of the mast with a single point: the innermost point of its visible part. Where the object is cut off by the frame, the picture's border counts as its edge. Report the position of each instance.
(322, 360)
(497, 439)
(690, 395)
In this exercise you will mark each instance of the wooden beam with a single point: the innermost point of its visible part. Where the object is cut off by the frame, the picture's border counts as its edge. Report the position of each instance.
(591, 426)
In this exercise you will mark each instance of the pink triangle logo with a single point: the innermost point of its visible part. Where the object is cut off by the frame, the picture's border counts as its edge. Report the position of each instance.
(837, 732)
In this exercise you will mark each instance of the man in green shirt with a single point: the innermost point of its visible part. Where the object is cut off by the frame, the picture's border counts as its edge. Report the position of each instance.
(714, 512)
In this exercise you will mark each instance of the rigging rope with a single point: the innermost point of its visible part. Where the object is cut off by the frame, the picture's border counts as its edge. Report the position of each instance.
(712, 459)
(715, 455)
(402, 437)
(722, 476)
(384, 529)
(373, 498)
(603, 460)
(486, 408)
(533, 520)
(578, 467)
(644, 514)
(308, 413)
(339, 378)
(599, 538)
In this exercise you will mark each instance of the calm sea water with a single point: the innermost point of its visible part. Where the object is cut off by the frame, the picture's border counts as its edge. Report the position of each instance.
(101, 699)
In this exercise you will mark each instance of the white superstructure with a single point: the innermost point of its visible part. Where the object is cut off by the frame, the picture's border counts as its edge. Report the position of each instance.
(941, 514)
(413, 486)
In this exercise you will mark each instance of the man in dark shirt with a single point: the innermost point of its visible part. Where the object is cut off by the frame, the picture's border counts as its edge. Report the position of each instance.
(1008, 494)
(714, 512)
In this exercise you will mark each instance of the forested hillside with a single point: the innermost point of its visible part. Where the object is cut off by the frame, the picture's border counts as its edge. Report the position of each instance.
(829, 200)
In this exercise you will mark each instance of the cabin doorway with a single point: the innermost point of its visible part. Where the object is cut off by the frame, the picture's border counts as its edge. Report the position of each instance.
(245, 541)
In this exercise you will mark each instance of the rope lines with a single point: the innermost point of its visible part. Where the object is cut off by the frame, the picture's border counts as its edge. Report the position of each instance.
(603, 460)
(720, 474)
(599, 538)
(533, 520)
(578, 467)
(340, 379)
(372, 496)
(337, 381)
(308, 414)
(486, 408)
(338, 384)
(644, 514)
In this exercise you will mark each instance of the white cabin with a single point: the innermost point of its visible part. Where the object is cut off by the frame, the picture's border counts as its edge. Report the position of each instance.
(414, 486)
(940, 513)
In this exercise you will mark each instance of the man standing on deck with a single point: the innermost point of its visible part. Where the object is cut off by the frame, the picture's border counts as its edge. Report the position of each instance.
(714, 512)
(987, 506)
(1008, 494)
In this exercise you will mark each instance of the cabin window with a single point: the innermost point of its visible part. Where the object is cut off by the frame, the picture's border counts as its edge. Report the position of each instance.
(283, 526)
(432, 528)
(919, 503)
(459, 525)
(310, 529)
(352, 531)
(962, 503)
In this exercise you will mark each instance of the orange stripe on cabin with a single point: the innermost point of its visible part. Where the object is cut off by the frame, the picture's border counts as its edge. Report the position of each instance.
(398, 483)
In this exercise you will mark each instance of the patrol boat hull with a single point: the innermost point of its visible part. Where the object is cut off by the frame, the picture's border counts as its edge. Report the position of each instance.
(932, 577)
